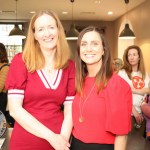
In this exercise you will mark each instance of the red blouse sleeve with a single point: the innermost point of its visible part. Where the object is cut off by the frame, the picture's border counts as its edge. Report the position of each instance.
(118, 106)
(17, 75)
(71, 82)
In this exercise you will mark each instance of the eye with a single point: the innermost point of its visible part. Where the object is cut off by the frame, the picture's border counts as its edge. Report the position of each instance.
(95, 43)
(40, 29)
(52, 27)
(83, 44)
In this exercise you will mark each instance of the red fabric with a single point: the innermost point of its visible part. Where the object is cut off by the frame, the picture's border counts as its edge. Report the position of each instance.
(106, 114)
(41, 102)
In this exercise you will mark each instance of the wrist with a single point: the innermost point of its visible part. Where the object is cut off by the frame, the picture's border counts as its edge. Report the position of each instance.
(49, 135)
(143, 103)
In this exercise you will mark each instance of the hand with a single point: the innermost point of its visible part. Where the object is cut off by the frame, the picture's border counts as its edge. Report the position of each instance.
(139, 118)
(59, 142)
(143, 103)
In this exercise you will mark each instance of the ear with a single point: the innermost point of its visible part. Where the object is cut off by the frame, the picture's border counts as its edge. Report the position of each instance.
(35, 36)
(103, 52)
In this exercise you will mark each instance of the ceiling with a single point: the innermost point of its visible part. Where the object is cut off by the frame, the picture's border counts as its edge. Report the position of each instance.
(82, 9)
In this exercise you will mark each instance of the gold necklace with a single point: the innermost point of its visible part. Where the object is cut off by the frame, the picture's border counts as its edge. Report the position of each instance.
(81, 109)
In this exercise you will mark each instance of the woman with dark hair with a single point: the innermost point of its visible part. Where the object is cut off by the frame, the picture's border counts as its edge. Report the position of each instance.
(134, 73)
(4, 67)
(102, 105)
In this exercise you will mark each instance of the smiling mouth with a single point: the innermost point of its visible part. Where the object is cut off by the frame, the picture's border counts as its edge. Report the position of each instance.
(48, 39)
(89, 55)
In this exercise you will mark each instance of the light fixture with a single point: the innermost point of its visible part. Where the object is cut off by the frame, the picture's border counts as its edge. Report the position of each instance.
(16, 31)
(72, 34)
(127, 33)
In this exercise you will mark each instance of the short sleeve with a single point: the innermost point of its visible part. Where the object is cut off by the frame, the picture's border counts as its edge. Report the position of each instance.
(118, 106)
(71, 83)
(17, 76)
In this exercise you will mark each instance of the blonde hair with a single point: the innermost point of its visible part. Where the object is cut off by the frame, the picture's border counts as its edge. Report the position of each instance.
(32, 54)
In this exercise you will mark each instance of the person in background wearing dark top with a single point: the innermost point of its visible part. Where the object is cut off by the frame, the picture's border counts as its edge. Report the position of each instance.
(103, 103)
(4, 67)
(39, 81)
(134, 73)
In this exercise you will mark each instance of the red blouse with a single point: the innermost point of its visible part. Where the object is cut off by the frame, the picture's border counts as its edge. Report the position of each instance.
(105, 114)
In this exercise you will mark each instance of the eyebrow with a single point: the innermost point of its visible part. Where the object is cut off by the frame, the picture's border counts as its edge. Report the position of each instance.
(91, 41)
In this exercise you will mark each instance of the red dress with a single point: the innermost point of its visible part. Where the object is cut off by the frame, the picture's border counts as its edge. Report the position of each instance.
(105, 114)
(42, 98)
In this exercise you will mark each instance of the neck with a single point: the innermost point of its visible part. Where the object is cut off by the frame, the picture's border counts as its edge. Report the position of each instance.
(93, 69)
(135, 68)
(49, 57)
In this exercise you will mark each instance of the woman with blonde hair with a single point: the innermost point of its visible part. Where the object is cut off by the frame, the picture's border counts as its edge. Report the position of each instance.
(39, 82)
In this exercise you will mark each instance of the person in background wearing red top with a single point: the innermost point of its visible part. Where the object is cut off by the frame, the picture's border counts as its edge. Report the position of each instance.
(102, 106)
(39, 82)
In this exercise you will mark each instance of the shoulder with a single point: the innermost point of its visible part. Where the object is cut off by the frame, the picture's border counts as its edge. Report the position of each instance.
(17, 60)
(17, 65)
(71, 65)
(17, 57)
(117, 81)
(122, 71)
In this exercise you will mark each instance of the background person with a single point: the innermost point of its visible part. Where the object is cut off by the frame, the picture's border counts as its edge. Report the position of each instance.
(39, 81)
(145, 106)
(117, 64)
(134, 73)
(4, 67)
(102, 106)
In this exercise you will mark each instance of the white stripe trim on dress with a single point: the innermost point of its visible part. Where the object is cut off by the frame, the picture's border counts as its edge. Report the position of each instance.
(15, 91)
(48, 84)
(43, 79)
(69, 98)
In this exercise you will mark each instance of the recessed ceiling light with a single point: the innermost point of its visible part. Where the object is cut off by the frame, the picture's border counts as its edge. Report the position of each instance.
(97, 1)
(110, 13)
(32, 12)
(64, 12)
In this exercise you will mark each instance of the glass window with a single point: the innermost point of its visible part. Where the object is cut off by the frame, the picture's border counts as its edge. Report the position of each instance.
(13, 45)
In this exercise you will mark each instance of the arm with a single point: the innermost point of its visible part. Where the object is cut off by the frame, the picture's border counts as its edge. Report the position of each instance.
(32, 125)
(138, 117)
(3, 74)
(145, 109)
(120, 142)
(67, 123)
(141, 91)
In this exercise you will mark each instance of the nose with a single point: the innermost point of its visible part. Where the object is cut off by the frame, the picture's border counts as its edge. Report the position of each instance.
(47, 32)
(89, 48)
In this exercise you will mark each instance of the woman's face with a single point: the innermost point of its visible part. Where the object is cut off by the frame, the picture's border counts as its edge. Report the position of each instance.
(91, 49)
(46, 32)
(133, 57)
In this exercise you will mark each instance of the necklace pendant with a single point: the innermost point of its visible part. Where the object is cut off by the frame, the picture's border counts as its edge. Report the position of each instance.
(81, 119)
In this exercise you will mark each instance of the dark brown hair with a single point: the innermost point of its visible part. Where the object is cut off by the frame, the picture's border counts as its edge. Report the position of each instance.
(127, 66)
(3, 54)
(105, 72)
